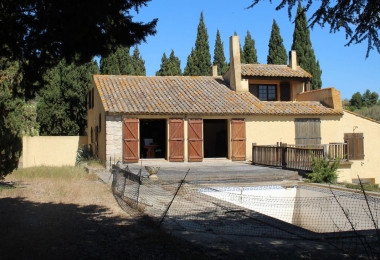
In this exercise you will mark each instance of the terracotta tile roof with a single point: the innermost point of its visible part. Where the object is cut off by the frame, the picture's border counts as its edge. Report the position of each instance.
(267, 70)
(136, 95)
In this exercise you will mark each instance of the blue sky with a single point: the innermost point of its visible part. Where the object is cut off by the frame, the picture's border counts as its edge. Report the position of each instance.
(345, 68)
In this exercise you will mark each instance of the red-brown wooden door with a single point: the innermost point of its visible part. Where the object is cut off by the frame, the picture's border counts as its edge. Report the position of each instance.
(131, 140)
(238, 139)
(195, 136)
(176, 140)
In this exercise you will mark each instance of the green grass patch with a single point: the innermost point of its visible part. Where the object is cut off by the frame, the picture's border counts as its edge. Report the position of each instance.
(54, 173)
(95, 163)
(366, 186)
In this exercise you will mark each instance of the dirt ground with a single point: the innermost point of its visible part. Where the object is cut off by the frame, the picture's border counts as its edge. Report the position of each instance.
(80, 219)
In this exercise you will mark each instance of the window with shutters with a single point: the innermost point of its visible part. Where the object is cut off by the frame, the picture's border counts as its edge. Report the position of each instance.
(355, 145)
(264, 92)
(308, 130)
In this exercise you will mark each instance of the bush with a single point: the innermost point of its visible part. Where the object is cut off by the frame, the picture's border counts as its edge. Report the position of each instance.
(323, 171)
(84, 154)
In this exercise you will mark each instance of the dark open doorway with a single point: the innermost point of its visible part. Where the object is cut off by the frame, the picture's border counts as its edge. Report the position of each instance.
(215, 138)
(152, 138)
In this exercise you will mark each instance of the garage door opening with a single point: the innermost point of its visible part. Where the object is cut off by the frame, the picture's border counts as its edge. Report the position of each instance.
(152, 138)
(215, 138)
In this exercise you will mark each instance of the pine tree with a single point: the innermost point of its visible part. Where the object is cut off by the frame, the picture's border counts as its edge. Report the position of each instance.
(191, 68)
(138, 63)
(249, 50)
(219, 58)
(305, 53)
(62, 107)
(277, 52)
(169, 66)
(200, 56)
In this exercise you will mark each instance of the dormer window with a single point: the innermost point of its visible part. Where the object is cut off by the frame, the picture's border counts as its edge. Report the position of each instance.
(264, 92)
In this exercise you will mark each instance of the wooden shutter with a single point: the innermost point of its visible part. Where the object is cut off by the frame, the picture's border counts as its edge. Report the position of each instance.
(176, 140)
(130, 140)
(195, 138)
(355, 143)
(238, 139)
(308, 130)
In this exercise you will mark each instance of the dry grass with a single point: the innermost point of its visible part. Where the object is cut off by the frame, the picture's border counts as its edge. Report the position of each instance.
(65, 213)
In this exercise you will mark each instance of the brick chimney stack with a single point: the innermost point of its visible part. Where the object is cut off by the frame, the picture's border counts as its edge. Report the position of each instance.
(214, 70)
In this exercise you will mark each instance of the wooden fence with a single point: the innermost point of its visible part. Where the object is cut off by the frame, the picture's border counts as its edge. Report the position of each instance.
(296, 156)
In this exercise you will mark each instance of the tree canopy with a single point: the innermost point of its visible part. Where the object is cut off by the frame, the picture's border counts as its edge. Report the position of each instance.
(219, 58)
(305, 52)
(359, 19)
(200, 57)
(41, 33)
(138, 63)
(169, 66)
(368, 99)
(277, 52)
(61, 108)
(120, 62)
(249, 50)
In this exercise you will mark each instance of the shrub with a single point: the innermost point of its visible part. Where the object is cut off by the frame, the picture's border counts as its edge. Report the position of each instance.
(84, 154)
(323, 171)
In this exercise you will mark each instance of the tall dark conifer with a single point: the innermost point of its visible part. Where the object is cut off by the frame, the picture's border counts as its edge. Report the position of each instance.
(62, 107)
(138, 63)
(201, 56)
(277, 52)
(219, 58)
(175, 64)
(169, 66)
(191, 68)
(249, 50)
(305, 53)
(117, 63)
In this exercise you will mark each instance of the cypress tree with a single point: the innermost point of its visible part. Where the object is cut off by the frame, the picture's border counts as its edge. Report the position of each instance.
(62, 107)
(249, 50)
(117, 63)
(175, 65)
(138, 63)
(169, 66)
(305, 53)
(164, 67)
(191, 68)
(200, 56)
(219, 58)
(277, 52)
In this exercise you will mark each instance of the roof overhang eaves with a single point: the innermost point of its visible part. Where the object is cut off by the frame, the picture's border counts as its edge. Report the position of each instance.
(282, 78)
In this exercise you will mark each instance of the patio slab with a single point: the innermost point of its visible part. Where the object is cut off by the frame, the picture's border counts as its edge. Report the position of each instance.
(210, 170)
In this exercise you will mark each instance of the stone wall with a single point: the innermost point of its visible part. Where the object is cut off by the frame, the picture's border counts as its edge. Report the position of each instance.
(114, 142)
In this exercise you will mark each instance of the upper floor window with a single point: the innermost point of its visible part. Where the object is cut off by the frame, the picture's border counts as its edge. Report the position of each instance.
(264, 92)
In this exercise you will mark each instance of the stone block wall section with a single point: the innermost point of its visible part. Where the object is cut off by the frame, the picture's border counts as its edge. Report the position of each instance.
(114, 139)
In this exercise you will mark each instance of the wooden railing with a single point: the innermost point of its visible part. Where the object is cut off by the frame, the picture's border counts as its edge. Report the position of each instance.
(296, 156)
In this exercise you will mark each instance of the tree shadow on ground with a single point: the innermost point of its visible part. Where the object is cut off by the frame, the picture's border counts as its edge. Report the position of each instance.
(32, 230)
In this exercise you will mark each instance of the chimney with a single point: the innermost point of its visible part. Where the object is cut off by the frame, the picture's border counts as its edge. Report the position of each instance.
(214, 70)
(293, 60)
(235, 65)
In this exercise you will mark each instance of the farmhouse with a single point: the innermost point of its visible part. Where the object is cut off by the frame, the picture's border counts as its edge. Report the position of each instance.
(190, 118)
